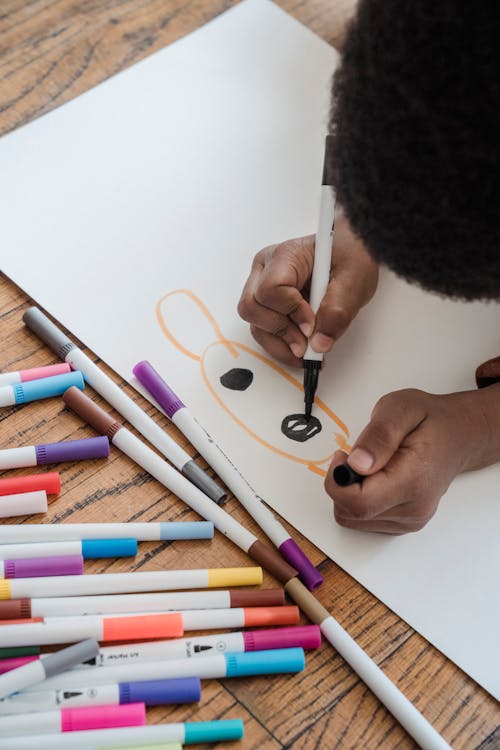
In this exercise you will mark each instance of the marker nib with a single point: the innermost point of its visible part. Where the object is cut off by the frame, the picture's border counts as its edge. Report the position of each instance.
(311, 372)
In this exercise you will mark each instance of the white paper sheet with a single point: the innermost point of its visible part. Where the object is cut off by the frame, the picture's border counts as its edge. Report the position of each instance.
(170, 176)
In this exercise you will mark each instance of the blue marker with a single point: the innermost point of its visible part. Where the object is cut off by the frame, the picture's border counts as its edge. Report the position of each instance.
(23, 393)
(89, 549)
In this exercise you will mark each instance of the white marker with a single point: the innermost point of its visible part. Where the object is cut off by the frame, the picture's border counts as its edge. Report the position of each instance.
(73, 719)
(116, 583)
(217, 459)
(23, 504)
(307, 637)
(112, 628)
(274, 661)
(15, 609)
(89, 549)
(113, 394)
(49, 666)
(143, 532)
(155, 734)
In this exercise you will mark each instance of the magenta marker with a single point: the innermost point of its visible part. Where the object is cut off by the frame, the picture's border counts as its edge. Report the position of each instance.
(52, 453)
(35, 567)
(216, 457)
(34, 373)
(73, 720)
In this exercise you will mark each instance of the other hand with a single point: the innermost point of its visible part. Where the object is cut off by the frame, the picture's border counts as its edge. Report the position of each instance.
(411, 450)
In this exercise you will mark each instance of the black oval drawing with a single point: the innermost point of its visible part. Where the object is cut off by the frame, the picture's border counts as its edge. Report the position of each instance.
(237, 379)
(297, 427)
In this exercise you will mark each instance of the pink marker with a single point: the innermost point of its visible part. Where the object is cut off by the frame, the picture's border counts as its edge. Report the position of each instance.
(35, 567)
(35, 373)
(74, 720)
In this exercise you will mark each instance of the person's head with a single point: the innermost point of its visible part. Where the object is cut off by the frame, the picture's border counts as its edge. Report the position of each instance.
(416, 149)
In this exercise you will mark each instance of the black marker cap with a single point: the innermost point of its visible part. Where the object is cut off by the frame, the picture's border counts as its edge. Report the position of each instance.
(344, 475)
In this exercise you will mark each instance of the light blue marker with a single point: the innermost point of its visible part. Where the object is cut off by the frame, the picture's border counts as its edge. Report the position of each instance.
(33, 390)
(143, 532)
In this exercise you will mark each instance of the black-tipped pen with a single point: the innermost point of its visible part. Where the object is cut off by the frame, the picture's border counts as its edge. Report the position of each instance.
(311, 372)
(321, 272)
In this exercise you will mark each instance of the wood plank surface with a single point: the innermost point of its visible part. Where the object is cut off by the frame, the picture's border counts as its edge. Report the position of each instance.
(51, 51)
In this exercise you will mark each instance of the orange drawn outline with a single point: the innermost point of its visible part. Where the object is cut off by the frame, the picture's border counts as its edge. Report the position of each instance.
(233, 347)
(204, 311)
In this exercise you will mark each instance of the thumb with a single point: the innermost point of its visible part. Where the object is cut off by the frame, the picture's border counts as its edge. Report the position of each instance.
(393, 418)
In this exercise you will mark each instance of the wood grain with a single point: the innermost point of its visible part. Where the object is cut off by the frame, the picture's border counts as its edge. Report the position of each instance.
(51, 51)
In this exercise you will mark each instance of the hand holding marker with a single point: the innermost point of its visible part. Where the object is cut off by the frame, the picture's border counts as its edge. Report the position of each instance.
(113, 394)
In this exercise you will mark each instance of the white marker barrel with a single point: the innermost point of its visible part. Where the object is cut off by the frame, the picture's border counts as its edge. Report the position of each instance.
(23, 504)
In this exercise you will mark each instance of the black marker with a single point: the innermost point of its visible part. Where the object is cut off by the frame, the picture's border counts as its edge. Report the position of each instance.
(321, 273)
(344, 475)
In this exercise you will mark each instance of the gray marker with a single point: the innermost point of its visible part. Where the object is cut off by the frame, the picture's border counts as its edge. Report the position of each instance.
(48, 666)
(64, 348)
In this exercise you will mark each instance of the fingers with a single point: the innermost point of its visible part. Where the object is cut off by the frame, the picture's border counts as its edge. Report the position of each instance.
(272, 300)
(394, 417)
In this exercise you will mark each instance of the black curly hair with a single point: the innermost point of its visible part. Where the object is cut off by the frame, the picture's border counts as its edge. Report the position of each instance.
(416, 149)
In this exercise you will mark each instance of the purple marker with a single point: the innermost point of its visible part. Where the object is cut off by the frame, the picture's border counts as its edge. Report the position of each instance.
(35, 567)
(173, 407)
(52, 453)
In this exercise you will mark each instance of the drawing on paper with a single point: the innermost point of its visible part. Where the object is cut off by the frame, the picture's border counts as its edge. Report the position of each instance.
(253, 390)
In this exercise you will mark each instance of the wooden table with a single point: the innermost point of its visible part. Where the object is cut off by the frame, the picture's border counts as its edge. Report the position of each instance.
(51, 51)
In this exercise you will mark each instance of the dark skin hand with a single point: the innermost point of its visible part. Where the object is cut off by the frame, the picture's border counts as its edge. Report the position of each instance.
(416, 442)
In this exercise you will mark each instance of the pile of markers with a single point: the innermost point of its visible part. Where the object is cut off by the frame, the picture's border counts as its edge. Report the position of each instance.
(90, 697)
(94, 694)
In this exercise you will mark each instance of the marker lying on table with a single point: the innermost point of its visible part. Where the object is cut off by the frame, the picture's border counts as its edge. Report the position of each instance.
(114, 628)
(149, 692)
(192, 496)
(116, 583)
(23, 504)
(52, 453)
(114, 395)
(89, 549)
(49, 666)
(216, 666)
(143, 532)
(23, 393)
(321, 272)
(102, 739)
(73, 720)
(129, 627)
(13, 609)
(49, 482)
(393, 699)
(34, 373)
(306, 637)
(216, 458)
(55, 565)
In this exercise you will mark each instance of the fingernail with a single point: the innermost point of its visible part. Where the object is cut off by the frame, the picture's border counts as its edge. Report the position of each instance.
(360, 460)
(306, 329)
(297, 349)
(321, 343)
